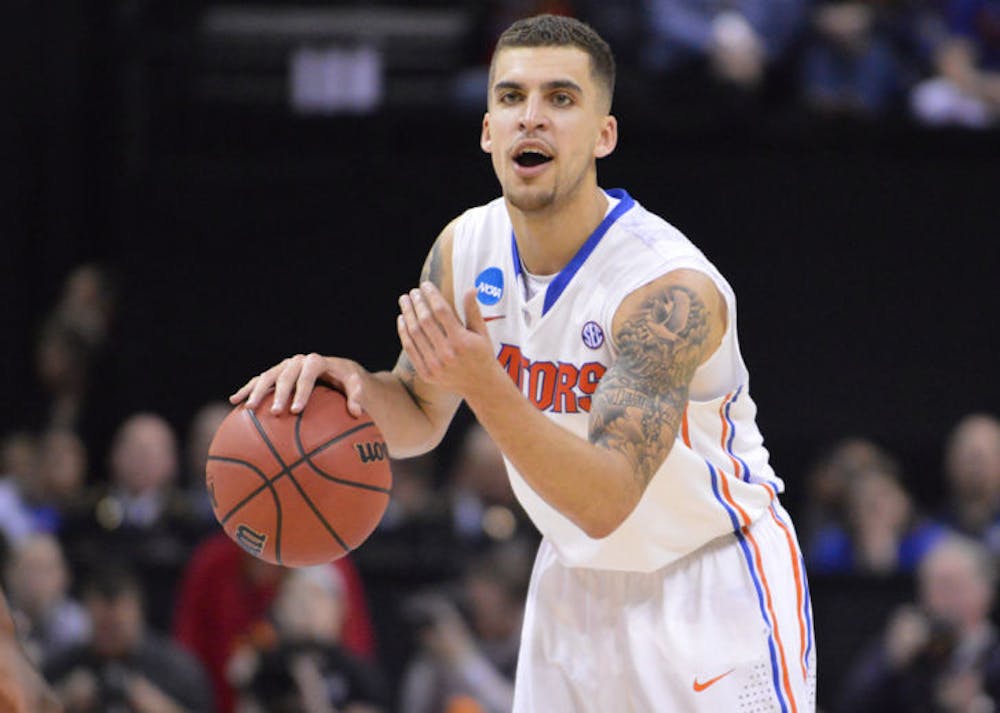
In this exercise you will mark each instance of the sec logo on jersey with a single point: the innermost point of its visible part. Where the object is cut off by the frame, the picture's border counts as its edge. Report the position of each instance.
(489, 286)
(593, 335)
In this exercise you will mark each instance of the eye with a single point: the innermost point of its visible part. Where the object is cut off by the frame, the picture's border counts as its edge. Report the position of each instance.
(562, 99)
(509, 97)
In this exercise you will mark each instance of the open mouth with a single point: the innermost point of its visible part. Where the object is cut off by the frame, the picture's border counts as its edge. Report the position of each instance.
(531, 157)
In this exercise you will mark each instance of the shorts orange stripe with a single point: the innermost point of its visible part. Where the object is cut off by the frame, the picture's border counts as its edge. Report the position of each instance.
(799, 589)
(770, 610)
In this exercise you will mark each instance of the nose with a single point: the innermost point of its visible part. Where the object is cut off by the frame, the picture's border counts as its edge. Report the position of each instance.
(533, 116)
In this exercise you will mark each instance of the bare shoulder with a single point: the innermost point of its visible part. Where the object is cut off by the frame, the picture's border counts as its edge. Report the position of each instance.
(437, 269)
(437, 265)
(681, 309)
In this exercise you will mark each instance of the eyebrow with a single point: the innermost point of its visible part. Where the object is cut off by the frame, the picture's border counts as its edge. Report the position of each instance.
(547, 86)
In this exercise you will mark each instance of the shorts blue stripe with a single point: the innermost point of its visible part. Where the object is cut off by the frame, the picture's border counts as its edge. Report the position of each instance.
(741, 538)
(808, 609)
(807, 602)
(775, 676)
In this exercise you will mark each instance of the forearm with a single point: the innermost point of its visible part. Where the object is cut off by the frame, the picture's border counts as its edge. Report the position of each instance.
(410, 423)
(591, 485)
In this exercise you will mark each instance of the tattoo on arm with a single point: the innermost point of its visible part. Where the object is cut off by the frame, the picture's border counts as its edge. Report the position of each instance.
(640, 401)
(433, 269)
(406, 373)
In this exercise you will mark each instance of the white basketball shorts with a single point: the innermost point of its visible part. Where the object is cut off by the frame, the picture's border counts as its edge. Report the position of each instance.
(727, 628)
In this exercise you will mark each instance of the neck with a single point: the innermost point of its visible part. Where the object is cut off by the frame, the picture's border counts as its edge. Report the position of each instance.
(548, 239)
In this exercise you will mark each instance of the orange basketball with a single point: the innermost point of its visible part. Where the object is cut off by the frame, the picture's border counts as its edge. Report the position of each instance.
(299, 489)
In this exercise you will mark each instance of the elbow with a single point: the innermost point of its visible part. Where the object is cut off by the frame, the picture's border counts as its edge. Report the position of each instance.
(415, 447)
(605, 522)
(600, 530)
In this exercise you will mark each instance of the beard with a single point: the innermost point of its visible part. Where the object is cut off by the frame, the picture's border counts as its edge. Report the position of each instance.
(528, 199)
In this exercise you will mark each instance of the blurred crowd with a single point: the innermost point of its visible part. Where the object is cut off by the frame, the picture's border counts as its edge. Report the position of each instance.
(130, 598)
(935, 61)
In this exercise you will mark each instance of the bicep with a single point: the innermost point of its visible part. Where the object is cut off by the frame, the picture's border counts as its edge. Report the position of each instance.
(664, 332)
(437, 404)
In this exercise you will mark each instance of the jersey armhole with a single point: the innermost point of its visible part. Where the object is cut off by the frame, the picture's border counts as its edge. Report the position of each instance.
(727, 345)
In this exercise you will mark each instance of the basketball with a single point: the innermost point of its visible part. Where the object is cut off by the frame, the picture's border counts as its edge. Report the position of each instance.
(299, 489)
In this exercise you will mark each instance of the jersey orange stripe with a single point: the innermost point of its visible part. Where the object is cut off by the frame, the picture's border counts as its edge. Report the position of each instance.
(799, 591)
(770, 610)
(685, 432)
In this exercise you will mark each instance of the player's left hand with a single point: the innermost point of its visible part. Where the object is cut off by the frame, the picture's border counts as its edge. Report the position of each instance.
(445, 352)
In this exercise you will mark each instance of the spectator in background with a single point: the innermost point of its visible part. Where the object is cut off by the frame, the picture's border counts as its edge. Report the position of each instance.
(225, 592)
(943, 655)
(965, 90)
(140, 519)
(414, 538)
(484, 508)
(972, 469)
(87, 304)
(883, 535)
(45, 481)
(470, 666)
(736, 40)
(849, 67)
(124, 667)
(827, 483)
(19, 454)
(22, 689)
(69, 353)
(48, 619)
(297, 663)
(62, 361)
(200, 433)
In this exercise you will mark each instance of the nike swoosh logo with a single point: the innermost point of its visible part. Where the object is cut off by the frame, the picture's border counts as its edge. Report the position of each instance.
(490, 319)
(699, 687)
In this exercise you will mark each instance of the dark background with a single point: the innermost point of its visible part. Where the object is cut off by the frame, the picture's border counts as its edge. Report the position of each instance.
(864, 256)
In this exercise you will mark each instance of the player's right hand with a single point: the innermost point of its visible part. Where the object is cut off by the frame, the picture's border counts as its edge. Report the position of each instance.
(294, 378)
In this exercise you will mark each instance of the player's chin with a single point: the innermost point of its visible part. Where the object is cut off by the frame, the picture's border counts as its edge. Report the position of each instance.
(530, 198)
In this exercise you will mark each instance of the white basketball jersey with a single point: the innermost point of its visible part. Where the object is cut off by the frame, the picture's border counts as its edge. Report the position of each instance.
(557, 345)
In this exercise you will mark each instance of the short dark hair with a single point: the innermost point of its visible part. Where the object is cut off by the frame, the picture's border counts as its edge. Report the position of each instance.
(560, 31)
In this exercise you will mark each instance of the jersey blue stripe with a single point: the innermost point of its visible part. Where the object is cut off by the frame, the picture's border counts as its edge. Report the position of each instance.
(517, 255)
(558, 285)
(715, 489)
(747, 475)
(741, 538)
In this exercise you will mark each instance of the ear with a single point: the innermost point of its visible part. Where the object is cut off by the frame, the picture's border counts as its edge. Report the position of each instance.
(608, 138)
(485, 141)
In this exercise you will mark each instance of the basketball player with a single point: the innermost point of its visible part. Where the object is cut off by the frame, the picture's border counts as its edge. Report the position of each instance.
(598, 347)
(22, 689)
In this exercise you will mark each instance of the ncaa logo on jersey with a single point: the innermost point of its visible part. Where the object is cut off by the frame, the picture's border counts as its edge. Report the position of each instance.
(489, 286)
(593, 335)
